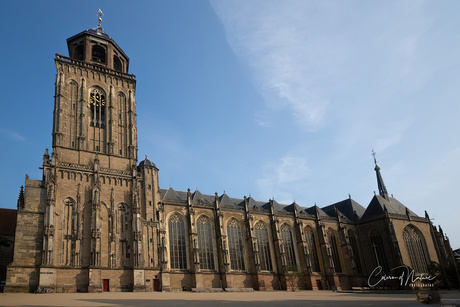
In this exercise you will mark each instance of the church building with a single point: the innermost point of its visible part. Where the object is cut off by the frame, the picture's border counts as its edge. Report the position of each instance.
(99, 221)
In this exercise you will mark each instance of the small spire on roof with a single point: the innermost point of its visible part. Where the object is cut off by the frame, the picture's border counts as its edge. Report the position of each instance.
(349, 196)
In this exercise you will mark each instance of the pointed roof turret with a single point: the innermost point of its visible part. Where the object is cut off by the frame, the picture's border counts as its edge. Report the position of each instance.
(382, 189)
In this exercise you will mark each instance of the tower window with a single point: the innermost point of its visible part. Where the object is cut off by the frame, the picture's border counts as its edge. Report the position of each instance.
(79, 53)
(97, 104)
(117, 65)
(98, 54)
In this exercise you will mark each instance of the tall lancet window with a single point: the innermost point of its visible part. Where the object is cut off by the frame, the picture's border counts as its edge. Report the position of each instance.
(177, 248)
(97, 104)
(206, 252)
(354, 248)
(235, 245)
(263, 244)
(311, 245)
(73, 118)
(335, 251)
(378, 250)
(416, 249)
(288, 245)
(122, 124)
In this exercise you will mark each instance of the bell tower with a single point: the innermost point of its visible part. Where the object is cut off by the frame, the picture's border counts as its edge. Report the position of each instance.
(95, 107)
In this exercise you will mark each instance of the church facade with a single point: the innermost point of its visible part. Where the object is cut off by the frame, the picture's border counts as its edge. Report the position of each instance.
(98, 220)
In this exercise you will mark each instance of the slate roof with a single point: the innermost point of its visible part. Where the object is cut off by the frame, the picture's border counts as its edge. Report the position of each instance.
(312, 210)
(99, 33)
(347, 208)
(147, 162)
(393, 206)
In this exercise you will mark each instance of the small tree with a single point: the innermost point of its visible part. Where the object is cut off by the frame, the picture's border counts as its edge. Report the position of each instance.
(292, 275)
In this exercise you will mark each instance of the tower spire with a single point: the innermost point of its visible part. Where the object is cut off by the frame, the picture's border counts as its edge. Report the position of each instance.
(382, 189)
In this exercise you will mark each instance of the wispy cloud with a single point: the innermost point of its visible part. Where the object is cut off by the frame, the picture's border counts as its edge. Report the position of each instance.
(308, 56)
(11, 135)
(284, 177)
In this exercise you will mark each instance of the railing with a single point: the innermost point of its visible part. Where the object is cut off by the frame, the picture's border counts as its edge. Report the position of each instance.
(94, 67)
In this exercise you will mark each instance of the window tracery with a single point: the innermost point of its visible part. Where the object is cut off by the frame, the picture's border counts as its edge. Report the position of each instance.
(261, 233)
(205, 245)
(177, 248)
(235, 245)
(311, 245)
(416, 249)
(288, 245)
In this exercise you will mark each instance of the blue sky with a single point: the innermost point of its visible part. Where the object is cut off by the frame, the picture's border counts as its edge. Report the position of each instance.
(282, 99)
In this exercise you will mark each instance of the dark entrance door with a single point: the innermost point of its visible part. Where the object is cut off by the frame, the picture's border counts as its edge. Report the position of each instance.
(156, 285)
(105, 285)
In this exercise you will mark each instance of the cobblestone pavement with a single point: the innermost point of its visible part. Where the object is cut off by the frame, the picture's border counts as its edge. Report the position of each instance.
(275, 298)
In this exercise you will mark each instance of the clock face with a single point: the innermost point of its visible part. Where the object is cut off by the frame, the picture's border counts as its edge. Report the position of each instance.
(96, 99)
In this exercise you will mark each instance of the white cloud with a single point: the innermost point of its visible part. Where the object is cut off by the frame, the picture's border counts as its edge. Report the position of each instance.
(11, 135)
(284, 177)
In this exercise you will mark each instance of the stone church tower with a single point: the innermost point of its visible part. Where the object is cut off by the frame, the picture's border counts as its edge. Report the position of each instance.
(89, 212)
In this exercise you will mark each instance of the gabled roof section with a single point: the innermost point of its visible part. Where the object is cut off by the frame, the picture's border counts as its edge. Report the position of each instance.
(312, 210)
(347, 208)
(277, 206)
(197, 198)
(292, 207)
(171, 194)
(393, 206)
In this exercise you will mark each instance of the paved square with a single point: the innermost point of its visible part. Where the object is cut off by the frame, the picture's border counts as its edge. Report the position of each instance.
(275, 298)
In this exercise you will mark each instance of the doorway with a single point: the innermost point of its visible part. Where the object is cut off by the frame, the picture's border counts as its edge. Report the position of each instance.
(105, 285)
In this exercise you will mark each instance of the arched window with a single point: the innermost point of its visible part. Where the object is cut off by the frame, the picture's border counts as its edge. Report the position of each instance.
(206, 252)
(177, 252)
(263, 244)
(73, 118)
(416, 249)
(378, 250)
(335, 251)
(97, 105)
(124, 228)
(79, 53)
(117, 65)
(354, 248)
(311, 245)
(235, 245)
(288, 245)
(98, 54)
(122, 124)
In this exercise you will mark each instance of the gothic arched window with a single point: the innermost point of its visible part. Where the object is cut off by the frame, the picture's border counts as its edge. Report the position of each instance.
(263, 244)
(97, 104)
(122, 124)
(288, 245)
(117, 65)
(206, 252)
(378, 250)
(124, 229)
(354, 248)
(78, 53)
(311, 245)
(177, 248)
(73, 118)
(416, 249)
(98, 54)
(235, 245)
(335, 251)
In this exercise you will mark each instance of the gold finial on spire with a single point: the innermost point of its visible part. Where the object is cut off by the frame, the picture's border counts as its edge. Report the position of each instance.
(99, 15)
